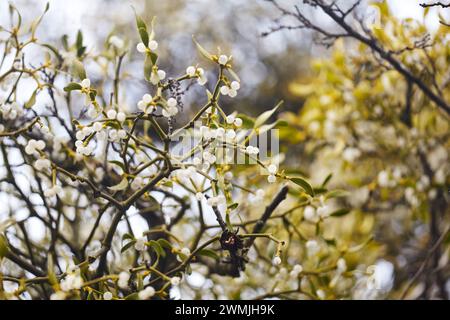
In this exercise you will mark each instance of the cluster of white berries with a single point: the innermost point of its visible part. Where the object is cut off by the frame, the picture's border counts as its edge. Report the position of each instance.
(185, 252)
(116, 135)
(341, 265)
(219, 133)
(85, 84)
(45, 130)
(147, 293)
(97, 126)
(53, 191)
(252, 150)
(231, 119)
(91, 112)
(231, 90)
(142, 48)
(223, 59)
(140, 244)
(313, 247)
(296, 270)
(217, 200)
(313, 215)
(34, 146)
(385, 181)
(83, 149)
(72, 281)
(423, 183)
(351, 154)
(276, 261)
(373, 280)
(114, 115)
(157, 75)
(124, 277)
(272, 169)
(175, 281)
(83, 133)
(137, 183)
(58, 295)
(172, 109)
(144, 104)
(209, 157)
(184, 175)
(116, 42)
(11, 111)
(192, 71)
(42, 164)
(107, 295)
(86, 88)
(258, 196)
(199, 196)
(411, 197)
(228, 176)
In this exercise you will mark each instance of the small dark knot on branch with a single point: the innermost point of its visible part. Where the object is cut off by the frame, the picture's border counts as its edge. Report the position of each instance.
(231, 241)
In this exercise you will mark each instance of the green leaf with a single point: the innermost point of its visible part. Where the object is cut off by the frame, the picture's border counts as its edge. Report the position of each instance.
(234, 75)
(320, 190)
(31, 102)
(5, 224)
(3, 246)
(118, 163)
(247, 122)
(36, 23)
(127, 246)
(152, 32)
(127, 236)
(153, 203)
(304, 184)
(78, 70)
(133, 296)
(209, 95)
(266, 127)
(19, 16)
(276, 124)
(360, 246)
(122, 185)
(51, 270)
(157, 247)
(340, 212)
(144, 36)
(202, 50)
(209, 253)
(188, 270)
(72, 86)
(336, 194)
(233, 206)
(148, 65)
(327, 179)
(79, 41)
(79, 44)
(266, 115)
(92, 94)
(164, 243)
(153, 57)
(140, 22)
(65, 42)
(54, 50)
(167, 183)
